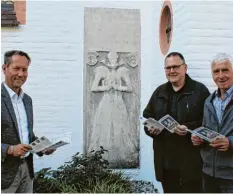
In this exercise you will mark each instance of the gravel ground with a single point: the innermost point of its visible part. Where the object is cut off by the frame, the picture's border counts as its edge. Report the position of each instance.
(143, 187)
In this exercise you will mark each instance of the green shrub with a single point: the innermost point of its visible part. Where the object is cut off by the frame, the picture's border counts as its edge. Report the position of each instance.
(83, 174)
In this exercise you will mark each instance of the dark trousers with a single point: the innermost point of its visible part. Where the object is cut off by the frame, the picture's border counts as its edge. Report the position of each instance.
(216, 185)
(172, 183)
(22, 182)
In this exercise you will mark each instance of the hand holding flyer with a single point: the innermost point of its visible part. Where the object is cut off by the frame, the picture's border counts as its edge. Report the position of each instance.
(153, 124)
(166, 122)
(44, 143)
(207, 134)
(169, 123)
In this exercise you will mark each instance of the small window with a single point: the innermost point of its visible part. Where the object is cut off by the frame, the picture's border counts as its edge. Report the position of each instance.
(165, 30)
(13, 13)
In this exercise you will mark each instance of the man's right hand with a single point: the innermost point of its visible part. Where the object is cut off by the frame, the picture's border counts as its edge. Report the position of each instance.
(19, 150)
(196, 140)
(154, 131)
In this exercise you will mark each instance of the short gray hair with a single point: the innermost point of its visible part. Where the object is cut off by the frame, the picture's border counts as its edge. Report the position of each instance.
(220, 57)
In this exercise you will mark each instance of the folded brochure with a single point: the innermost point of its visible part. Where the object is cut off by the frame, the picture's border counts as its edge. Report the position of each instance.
(207, 134)
(166, 122)
(43, 143)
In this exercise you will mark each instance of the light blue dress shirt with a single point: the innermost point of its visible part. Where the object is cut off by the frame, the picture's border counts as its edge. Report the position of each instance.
(220, 104)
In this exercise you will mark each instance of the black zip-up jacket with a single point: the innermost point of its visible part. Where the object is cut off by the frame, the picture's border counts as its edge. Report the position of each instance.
(190, 105)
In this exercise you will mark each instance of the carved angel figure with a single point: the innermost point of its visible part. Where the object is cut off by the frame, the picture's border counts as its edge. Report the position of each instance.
(111, 126)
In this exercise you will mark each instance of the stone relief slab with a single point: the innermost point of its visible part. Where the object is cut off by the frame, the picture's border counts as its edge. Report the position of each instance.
(112, 86)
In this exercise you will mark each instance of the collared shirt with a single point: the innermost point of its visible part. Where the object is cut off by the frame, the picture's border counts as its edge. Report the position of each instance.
(20, 113)
(220, 104)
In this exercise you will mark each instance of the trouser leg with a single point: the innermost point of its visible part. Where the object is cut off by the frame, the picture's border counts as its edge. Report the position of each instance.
(171, 181)
(209, 184)
(26, 185)
(192, 187)
(22, 182)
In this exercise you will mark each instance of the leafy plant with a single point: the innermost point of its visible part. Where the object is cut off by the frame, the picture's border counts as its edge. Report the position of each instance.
(44, 182)
(84, 173)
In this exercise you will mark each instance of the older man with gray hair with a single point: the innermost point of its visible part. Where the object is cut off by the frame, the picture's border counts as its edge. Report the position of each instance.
(218, 116)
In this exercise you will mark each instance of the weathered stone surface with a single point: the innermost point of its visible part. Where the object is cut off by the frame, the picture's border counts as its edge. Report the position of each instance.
(112, 84)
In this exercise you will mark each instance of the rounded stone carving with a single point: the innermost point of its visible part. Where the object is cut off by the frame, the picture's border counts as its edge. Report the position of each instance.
(92, 58)
(132, 59)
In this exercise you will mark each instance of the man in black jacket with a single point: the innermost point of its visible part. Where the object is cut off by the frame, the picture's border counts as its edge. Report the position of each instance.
(177, 162)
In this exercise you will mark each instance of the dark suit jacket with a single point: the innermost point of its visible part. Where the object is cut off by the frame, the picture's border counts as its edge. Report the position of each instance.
(10, 136)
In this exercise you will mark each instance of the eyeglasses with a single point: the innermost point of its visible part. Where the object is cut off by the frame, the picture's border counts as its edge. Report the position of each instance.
(174, 67)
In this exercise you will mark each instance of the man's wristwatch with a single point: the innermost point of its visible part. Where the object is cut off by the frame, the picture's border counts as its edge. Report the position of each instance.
(12, 150)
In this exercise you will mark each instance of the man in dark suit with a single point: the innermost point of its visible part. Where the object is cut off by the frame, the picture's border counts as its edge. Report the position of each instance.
(17, 126)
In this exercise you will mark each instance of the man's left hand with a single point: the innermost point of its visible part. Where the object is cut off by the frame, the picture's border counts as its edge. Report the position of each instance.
(48, 151)
(221, 144)
(180, 130)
